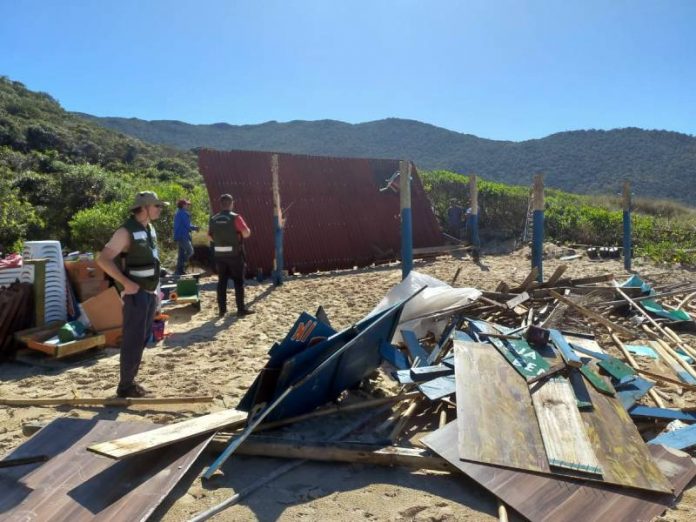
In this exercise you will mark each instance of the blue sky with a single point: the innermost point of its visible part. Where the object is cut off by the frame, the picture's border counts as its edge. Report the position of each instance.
(498, 69)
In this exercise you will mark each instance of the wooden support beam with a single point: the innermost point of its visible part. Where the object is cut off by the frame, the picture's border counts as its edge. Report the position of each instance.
(327, 451)
(594, 315)
(95, 401)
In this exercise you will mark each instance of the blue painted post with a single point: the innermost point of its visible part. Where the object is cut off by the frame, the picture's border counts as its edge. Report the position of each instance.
(473, 217)
(277, 224)
(406, 223)
(627, 246)
(538, 220)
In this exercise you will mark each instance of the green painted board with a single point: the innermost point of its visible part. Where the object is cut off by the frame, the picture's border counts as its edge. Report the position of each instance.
(597, 381)
(525, 359)
(617, 369)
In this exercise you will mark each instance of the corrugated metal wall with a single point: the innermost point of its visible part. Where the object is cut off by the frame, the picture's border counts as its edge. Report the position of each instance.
(336, 216)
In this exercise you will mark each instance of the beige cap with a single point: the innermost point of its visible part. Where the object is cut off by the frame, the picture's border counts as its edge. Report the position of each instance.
(145, 198)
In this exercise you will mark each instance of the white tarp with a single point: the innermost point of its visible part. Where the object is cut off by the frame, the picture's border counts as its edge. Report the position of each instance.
(438, 296)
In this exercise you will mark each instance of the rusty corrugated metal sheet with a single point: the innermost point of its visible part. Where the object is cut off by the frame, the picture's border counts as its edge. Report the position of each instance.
(336, 216)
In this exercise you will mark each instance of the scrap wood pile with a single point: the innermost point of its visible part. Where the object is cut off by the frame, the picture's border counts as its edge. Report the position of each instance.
(542, 393)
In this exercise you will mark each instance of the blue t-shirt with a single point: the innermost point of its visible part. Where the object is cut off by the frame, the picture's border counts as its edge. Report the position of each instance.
(182, 226)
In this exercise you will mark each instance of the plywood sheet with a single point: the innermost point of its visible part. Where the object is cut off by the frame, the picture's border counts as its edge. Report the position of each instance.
(497, 423)
(624, 457)
(542, 498)
(76, 485)
(562, 428)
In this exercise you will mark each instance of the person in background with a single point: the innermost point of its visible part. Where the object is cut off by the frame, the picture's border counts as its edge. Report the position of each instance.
(228, 231)
(182, 234)
(137, 277)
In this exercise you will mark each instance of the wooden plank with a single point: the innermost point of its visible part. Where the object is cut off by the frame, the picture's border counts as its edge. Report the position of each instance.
(169, 434)
(497, 424)
(594, 315)
(555, 277)
(414, 347)
(564, 348)
(427, 373)
(527, 361)
(562, 428)
(76, 485)
(597, 381)
(682, 438)
(95, 401)
(517, 300)
(662, 413)
(617, 369)
(373, 454)
(438, 388)
(546, 498)
(619, 447)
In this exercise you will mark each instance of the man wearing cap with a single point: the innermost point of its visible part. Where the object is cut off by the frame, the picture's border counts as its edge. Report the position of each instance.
(182, 234)
(137, 277)
(228, 230)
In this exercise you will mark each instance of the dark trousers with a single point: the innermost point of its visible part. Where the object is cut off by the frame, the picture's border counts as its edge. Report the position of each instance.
(138, 314)
(230, 268)
(185, 253)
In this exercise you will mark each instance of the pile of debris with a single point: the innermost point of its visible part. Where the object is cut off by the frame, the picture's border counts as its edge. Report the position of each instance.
(526, 396)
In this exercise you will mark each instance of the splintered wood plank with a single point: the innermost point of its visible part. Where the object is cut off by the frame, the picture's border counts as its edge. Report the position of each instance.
(624, 457)
(169, 434)
(496, 419)
(552, 498)
(562, 428)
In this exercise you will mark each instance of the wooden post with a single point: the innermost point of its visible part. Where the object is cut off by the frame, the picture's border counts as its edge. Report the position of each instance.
(538, 237)
(277, 224)
(473, 217)
(627, 225)
(406, 223)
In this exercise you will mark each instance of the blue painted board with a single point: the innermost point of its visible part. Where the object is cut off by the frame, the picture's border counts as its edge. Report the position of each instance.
(438, 388)
(630, 393)
(394, 356)
(569, 356)
(414, 347)
(321, 373)
(681, 439)
(662, 413)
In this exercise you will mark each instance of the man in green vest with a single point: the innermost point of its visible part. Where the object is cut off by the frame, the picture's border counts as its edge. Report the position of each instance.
(228, 230)
(136, 273)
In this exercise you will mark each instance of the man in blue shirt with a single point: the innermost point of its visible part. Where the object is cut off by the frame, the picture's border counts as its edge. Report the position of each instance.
(182, 234)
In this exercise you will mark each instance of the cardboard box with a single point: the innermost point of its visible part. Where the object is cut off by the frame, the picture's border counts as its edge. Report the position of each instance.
(83, 271)
(104, 310)
(89, 288)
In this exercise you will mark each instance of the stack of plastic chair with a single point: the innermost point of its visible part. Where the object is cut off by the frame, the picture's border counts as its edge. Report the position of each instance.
(55, 290)
(23, 274)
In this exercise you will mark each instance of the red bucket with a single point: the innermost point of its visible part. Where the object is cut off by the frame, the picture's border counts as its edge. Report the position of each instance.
(158, 330)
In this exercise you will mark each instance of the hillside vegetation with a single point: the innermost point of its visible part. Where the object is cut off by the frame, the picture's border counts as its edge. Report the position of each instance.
(58, 169)
(660, 164)
(63, 177)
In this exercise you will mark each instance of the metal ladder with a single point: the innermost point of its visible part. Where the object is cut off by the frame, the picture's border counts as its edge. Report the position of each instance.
(528, 232)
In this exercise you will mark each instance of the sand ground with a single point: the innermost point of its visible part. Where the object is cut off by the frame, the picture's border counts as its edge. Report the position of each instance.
(205, 355)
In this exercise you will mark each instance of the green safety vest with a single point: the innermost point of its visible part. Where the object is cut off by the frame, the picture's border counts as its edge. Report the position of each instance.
(222, 228)
(141, 263)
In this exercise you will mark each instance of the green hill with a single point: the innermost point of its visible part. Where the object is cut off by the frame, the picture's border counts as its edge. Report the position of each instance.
(660, 164)
(54, 165)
